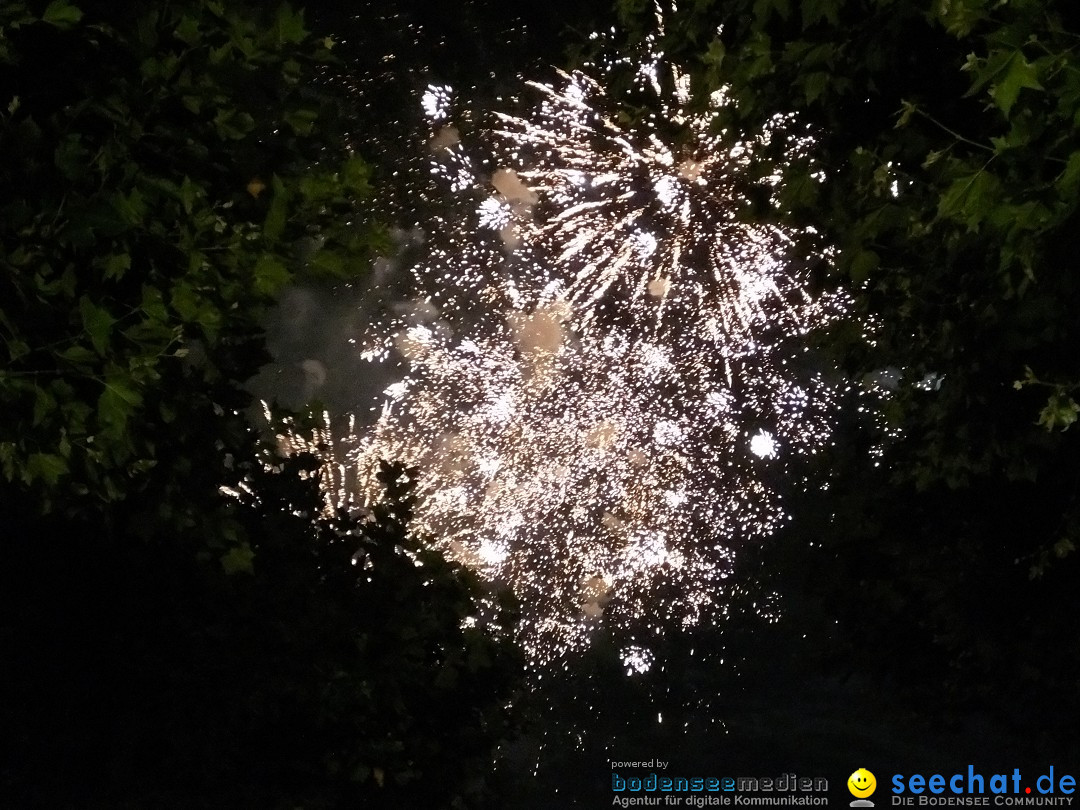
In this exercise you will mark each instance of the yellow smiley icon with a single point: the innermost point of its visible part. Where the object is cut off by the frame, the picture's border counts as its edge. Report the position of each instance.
(861, 783)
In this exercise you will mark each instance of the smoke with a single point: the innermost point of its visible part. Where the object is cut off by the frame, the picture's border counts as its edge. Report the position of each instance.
(313, 336)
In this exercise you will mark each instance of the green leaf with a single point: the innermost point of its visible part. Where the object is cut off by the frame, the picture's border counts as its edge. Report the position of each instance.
(356, 175)
(764, 8)
(45, 466)
(61, 14)
(117, 265)
(760, 54)
(188, 30)
(290, 26)
(328, 264)
(319, 187)
(190, 193)
(195, 308)
(986, 70)
(960, 16)
(142, 466)
(79, 355)
(1063, 548)
(17, 348)
(132, 208)
(932, 157)
(274, 224)
(221, 54)
(907, 109)
(72, 158)
(152, 337)
(76, 413)
(798, 189)
(117, 402)
(1060, 412)
(864, 263)
(970, 198)
(1019, 73)
(97, 322)
(270, 275)
(238, 560)
(153, 304)
(1068, 184)
(168, 413)
(815, 84)
(819, 56)
(7, 459)
(232, 124)
(302, 121)
(159, 69)
(815, 10)
(185, 302)
(715, 54)
(44, 404)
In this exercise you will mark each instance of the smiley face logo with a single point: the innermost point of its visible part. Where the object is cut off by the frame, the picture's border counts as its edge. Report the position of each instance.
(861, 783)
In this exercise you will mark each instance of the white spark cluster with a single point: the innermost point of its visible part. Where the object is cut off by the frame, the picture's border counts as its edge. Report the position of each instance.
(602, 362)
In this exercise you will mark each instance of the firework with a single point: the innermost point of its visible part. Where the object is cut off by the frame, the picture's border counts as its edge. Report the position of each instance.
(600, 367)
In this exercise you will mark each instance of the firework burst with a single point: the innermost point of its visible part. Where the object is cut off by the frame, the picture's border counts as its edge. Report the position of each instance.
(647, 228)
(601, 380)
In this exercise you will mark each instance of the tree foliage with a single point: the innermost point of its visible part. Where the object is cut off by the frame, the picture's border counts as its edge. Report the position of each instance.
(167, 169)
(943, 184)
